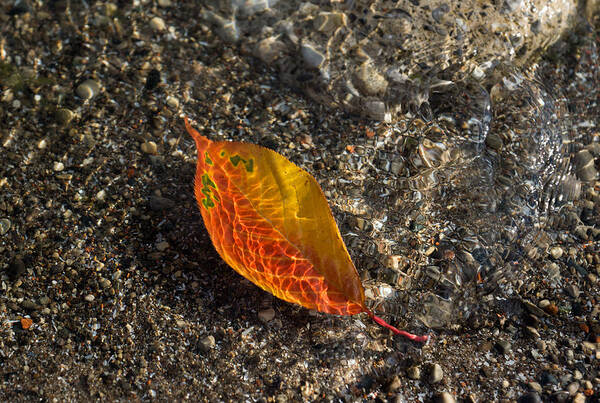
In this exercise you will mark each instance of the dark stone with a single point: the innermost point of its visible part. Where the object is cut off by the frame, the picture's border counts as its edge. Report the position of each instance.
(548, 378)
(530, 397)
(16, 268)
(152, 79)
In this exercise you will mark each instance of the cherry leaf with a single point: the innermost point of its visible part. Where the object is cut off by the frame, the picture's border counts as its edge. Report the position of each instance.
(269, 220)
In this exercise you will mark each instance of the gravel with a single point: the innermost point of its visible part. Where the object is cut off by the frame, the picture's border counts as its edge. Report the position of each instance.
(110, 288)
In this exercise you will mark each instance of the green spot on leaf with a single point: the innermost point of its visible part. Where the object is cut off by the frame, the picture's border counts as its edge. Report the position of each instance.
(207, 159)
(206, 190)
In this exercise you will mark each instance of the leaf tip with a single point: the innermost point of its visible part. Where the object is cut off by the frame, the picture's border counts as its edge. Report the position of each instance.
(201, 141)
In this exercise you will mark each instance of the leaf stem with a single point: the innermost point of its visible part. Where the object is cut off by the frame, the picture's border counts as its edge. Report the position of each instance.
(410, 336)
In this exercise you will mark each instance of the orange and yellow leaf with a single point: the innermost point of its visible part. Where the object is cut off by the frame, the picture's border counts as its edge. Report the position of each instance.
(269, 220)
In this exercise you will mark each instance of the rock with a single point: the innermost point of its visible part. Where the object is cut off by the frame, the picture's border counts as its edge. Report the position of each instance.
(414, 373)
(58, 166)
(435, 373)
(266, 315)
(207, 343)
(64, 116)
(579, 398)
(548, 379)
(172, 102)
(88, 89)
(29, 305)
(572, 290)
(149, 147)
(573, 388)
(556, 252)
(157, 24)
(503, 346)
(530, 397)
(4, 226)
(444, 397)
(16, 268)
(534, 387)
(394, 385)
(532, 332)
(89, 298)
(101, 195)
(165, 3)
(158, 203)
(162, 246)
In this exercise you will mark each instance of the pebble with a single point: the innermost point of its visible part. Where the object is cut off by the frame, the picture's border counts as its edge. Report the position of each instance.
(104, 283)
(530, 397)
(532, 332)
(444, 397)
(16, 267)
(503, 346)
(64, 116)
(149, 147)
(556, 252)
(158, 24)
(414, 373)
(165, 3)
(4, 226)
(572, 290)
(58, 166)
(394, 385)
(534, 386)
(101, 195)
(173, 102)
(266, 315)
(158, 203)
(573, 388)
(162, 246)
(548, 378)
(436, 373)
(579, 398)
(207, 343)
(88, 89)
(89, 298)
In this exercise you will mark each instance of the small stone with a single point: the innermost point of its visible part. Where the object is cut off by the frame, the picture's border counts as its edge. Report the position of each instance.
(64, 116)
(548, 379)
(207, 343)
(158, 203)
(29, 305)
(588, 347)
(89, 298)
(312, 57)
(42, 144)
(173, 102)
(266, 315)
(436, 373)
(573, 388)
(101, 195)
(534, 386)
(503, 346)
(58, 166)
(556, 252)
(104, 283)
(162, 246)
(44, 300)
(394, 385)
(414, 373)
(444, 397)
(532, 332)
(543, 304)
(572, 290)
(4, 225)
(88, 89)
(16, 267)
(579, 398)
(530, 397)
(149, 147)
(165, 3)
(532, 308)
(158, 24)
